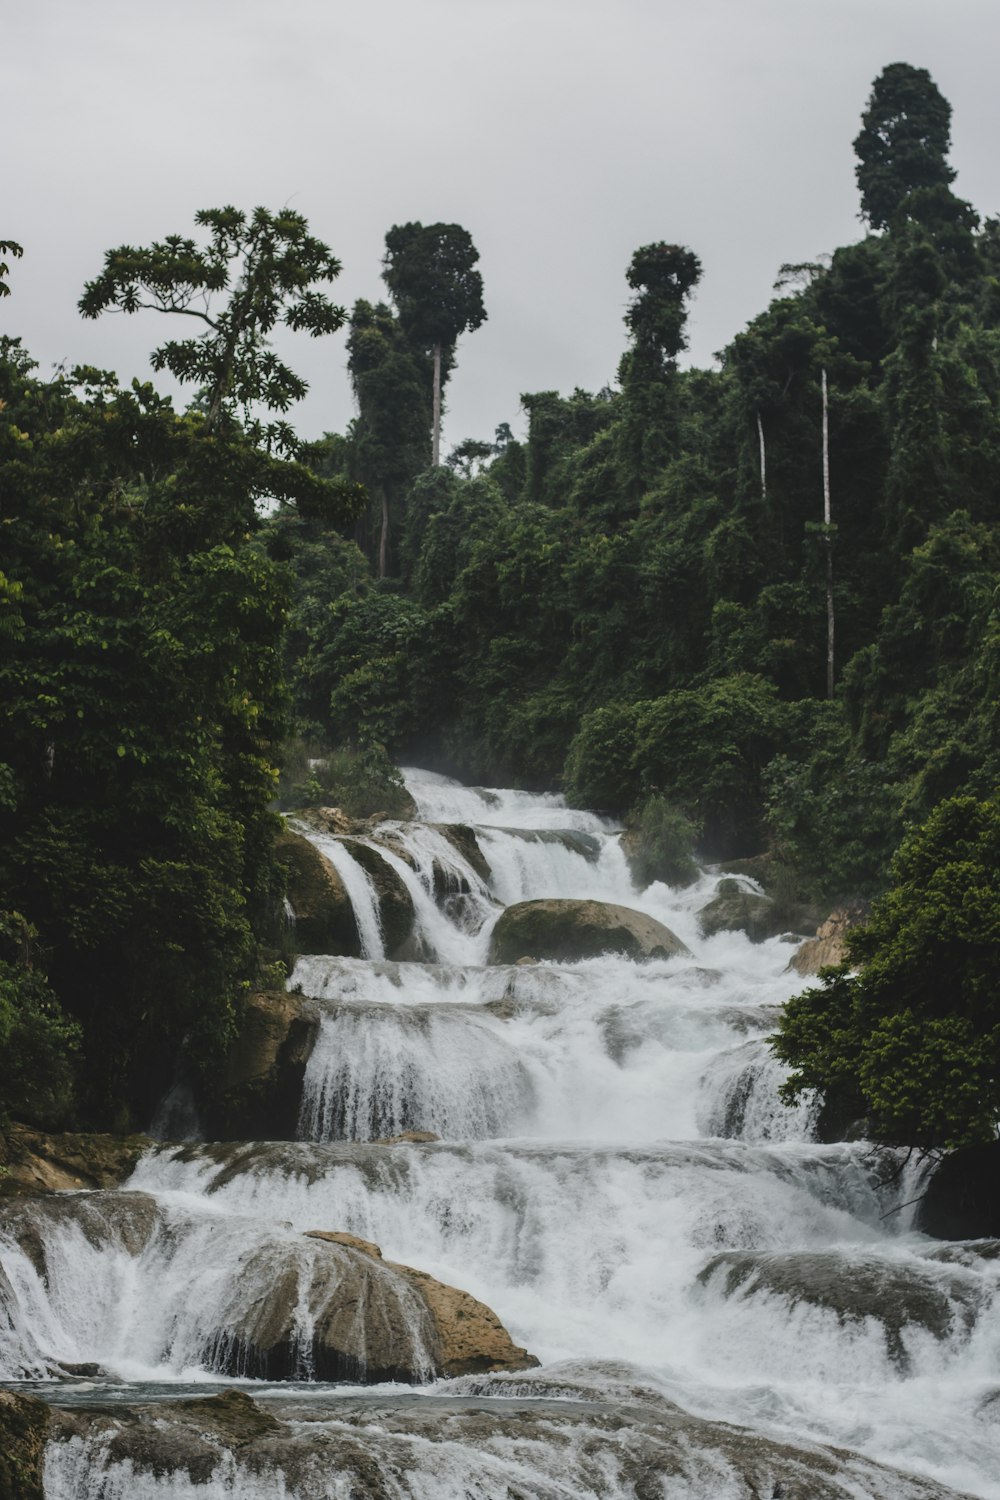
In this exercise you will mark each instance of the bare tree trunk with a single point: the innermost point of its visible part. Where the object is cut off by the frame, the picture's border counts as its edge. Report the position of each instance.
(763, 459)
(383, 544)
(436, 419)
(827, 540)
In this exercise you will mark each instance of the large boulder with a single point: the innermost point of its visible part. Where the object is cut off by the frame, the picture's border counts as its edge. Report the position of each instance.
(258, 1093)
(320, 906)
(566, 931)
(370, 1320)
(829, 946)
(737, 908)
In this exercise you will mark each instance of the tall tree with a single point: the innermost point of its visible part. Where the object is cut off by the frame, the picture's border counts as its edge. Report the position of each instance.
(269, 265)
(662, 277)
(389, 438)
(903, 143)
(430, 272)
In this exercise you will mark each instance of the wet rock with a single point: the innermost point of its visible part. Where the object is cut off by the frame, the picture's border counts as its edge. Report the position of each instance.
(962, 1201)
(24, 1423)
(563, 1437)
(408, 1138)
(258, 1095)
(735, 908)
(464, 841)
(899, 1296)
(394, 900)
(828, 947)
(371, 1320)
(113, 1219)
(566, 931)
(470, 1337)
(37, 1162)
(324, 916)
(338, 1237)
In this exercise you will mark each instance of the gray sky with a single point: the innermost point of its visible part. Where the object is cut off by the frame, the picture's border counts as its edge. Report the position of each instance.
(561, 133)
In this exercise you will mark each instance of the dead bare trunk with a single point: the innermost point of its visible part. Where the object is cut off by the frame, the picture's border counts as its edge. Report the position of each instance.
(436, 417)
(827, 540)
(763, 459)
(383, 543)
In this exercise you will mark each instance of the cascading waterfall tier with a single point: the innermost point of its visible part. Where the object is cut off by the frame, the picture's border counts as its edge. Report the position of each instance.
(723, 1307)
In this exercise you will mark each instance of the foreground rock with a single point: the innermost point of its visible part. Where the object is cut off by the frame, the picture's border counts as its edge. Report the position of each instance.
(829, 946)
(566, 931)
(23, 1428)
(579, 1436)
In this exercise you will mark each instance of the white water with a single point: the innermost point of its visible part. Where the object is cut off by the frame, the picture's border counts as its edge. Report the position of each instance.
(615, 1177)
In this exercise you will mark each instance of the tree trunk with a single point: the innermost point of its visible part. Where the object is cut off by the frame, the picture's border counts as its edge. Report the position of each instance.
(383, 544)
(763, 459)
(827, 540)
(436, 418)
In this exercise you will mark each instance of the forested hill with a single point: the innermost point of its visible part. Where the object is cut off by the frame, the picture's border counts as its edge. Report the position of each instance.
(633, 603)
(754, 609)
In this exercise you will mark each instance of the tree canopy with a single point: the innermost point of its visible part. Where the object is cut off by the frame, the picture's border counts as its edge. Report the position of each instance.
(269, 265)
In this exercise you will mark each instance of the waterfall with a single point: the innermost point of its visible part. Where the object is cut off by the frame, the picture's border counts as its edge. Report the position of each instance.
(722, 1305)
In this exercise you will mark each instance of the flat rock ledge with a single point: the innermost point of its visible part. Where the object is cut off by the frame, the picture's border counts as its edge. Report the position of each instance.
(566, 931)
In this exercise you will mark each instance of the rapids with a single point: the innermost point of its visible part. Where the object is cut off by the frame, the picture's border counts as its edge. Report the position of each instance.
(615, 1177)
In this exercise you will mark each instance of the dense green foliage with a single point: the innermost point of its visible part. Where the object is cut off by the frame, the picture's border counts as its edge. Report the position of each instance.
(268, 263)
(632, 601)
(908, 1031)
(142, 707)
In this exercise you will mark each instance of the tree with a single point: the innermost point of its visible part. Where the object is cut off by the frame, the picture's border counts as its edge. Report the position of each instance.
(663, 277)
(14, 250)
(269, 264)
(903, 143)
(430, 271)
(389, 438)
(908, 1030)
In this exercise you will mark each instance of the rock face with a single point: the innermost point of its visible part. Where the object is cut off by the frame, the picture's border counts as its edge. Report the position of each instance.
(259, 1092)
(828, 946)
(566, 931)
(370, 1320)
(463, 839)
(324, 916)
(962, 1201)
(23, 1426)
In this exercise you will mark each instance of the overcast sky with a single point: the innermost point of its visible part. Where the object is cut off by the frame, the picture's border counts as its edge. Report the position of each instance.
(561, 133)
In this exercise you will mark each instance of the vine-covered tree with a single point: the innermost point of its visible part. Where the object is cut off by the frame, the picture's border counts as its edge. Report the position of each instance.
(269, 265)
(431, 273)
